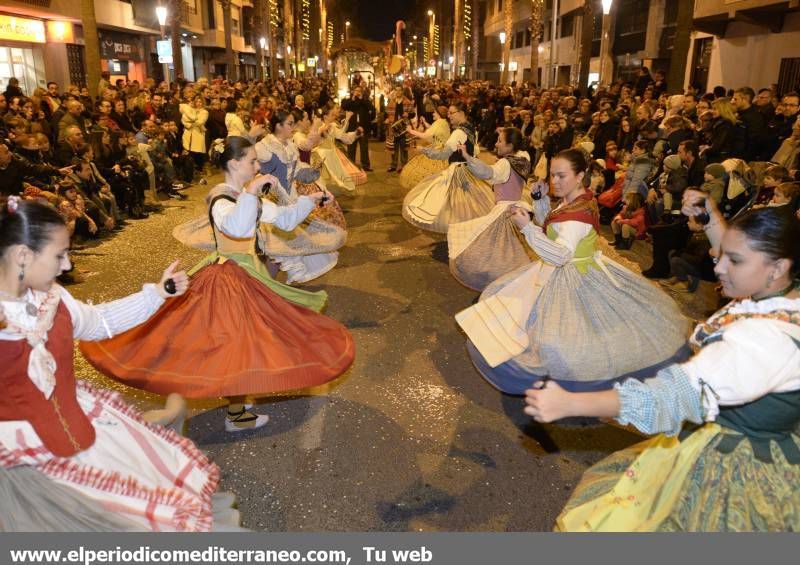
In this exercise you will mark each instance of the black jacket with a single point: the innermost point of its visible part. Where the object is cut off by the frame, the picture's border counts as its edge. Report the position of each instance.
(363, 113)
(20, 169)
(756, 135)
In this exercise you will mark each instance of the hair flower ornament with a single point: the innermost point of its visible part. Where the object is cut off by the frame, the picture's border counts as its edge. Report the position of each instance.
(219, 145)
(12, 204)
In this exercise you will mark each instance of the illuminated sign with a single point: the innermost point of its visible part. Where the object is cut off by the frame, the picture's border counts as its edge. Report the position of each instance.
(22, 29)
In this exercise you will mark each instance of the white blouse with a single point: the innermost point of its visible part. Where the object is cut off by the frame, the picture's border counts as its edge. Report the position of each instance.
(238, 219)
(560, 251)
(754, 357)
(89, 322)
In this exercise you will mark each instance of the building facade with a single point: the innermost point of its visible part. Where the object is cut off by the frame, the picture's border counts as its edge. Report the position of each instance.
(745, 43)
(43, 40)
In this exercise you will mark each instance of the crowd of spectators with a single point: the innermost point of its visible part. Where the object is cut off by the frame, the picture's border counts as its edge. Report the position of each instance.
(107, 160)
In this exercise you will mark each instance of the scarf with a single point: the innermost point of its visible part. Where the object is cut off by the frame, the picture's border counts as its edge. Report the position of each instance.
(582, 209)
(41, 364)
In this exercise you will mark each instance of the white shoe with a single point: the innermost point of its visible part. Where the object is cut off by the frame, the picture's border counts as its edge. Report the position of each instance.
(244, 421)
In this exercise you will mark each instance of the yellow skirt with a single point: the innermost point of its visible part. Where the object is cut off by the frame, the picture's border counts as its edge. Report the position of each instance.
(663, 484)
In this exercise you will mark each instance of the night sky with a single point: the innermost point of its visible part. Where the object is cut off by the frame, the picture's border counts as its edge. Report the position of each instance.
(375, 19)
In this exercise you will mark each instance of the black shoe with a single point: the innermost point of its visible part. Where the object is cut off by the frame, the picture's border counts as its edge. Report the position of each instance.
(626, 243)
(617, 240)
(390, 170)
(653, 273)
(367, 169)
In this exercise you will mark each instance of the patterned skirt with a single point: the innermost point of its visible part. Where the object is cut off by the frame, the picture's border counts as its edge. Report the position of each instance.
(135, 477)
(419, 167)
(338, 169)
(310, 249)
(452, 196)
(486, 248)
(663, 484)
(581, 329)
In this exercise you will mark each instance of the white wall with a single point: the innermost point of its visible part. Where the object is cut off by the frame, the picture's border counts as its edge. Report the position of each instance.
(749, 55)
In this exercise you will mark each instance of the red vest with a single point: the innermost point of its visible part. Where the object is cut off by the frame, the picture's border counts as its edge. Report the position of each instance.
(59, 421)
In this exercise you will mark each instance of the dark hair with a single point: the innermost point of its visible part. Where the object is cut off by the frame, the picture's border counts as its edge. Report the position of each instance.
(690, 146)
(278, 117)
(514, 137)
(230, 105)
(643, 144)
(235, 149)
(760, 90)
(773, 231)
(578, 162)
(299, 115)
(460, 106)
(747, 92)
(30, 224)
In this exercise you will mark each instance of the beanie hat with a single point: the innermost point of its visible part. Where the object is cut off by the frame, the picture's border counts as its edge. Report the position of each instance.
(672, 162)
(716, 170)
(587, 146)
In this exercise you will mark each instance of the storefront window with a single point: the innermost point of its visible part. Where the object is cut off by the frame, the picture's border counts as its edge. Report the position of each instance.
(21, 64)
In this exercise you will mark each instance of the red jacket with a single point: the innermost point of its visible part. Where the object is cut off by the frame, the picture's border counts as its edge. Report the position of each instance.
(636, 220)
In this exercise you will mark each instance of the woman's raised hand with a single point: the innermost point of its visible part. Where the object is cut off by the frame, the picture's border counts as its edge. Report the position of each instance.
(256, 185)
(696, 202)
(180, 280)
(519, 216)
(256, 131)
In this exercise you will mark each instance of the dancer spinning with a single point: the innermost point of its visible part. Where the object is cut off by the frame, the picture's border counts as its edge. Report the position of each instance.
(735, 466)
(421, 166)
(73, 458)
(455, 194)
(336, 166)
(237, 332)
(484, 249)
(573, 316)
(310, 250)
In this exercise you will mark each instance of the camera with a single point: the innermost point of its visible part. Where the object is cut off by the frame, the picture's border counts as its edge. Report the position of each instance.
(704, 217)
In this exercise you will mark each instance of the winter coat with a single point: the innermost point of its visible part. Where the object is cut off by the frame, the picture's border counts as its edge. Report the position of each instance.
(194, 128)
(636, 221)
(637, 174)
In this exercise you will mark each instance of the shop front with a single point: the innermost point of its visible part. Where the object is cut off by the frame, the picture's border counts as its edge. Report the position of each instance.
(122, 55)
(22, 55)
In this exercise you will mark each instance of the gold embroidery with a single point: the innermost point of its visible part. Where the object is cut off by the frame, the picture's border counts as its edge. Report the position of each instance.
(64, 424)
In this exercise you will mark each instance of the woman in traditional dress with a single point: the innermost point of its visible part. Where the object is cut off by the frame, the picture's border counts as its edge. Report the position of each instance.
(573, 316)
(455, 194)
(306, 134)
(237, 332)
(421, 166)
(726, 451)
(74, 458)
(484, 249)
(336, 167)
(310, 249)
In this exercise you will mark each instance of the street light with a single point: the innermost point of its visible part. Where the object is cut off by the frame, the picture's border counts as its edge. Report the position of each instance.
(502, 38)
(346, 29)
(161, 14)
(263, 42)
(431, 32)
(604, 38)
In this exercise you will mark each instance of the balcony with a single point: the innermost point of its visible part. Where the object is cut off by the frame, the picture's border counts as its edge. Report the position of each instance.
(714, 16)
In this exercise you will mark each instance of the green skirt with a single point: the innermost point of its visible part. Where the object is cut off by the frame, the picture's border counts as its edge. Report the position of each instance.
(255, 268)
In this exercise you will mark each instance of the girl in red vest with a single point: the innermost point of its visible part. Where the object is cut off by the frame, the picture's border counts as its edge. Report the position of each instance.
(73, 458)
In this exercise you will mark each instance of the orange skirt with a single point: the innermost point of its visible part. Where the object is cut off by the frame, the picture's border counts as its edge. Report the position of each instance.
(229, 335)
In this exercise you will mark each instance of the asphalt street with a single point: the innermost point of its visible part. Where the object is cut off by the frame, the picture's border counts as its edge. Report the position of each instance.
(411, 438)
